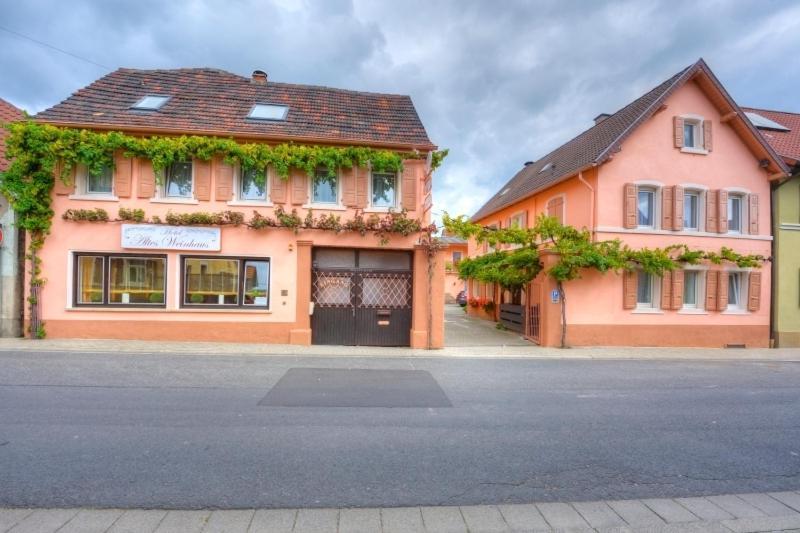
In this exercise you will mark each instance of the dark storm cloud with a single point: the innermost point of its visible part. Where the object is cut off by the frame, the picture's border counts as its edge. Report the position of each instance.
(497, 82)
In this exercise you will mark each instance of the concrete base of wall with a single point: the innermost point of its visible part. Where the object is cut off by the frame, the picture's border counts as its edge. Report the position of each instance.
(787, 339)
(301, 337)
(700, 336)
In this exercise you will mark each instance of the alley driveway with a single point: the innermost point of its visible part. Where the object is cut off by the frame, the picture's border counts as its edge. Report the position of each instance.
(202, 431)
(461, 330)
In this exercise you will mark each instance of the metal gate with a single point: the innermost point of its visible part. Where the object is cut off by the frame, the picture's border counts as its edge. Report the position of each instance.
(358, 305)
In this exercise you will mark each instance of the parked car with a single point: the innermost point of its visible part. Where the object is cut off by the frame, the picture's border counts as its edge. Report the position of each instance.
(461, 299)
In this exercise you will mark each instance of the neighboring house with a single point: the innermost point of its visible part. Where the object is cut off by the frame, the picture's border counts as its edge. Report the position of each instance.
(455, 252)
(782, 131)
(681, 164)
(111, 280)
(11, 246)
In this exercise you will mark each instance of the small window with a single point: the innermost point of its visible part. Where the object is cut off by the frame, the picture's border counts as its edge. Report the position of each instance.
(456, 258)
(646, 208)
(691, 289)
(120, 280)
(517, 221)
(384, 189)
(325, 188)
(151, 103)
(178, 180)
(253, 184)
(555, 208)
(268, 112)
(100, 182)
(737, 289)
(691, 213)
(645, 291)
(735, 204)
(225, 282)
(692, 133)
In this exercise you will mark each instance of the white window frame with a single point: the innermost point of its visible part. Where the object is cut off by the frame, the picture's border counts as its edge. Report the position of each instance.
(82, 187)
(161, 189)
(386, 208)
(701, 196)
(698, 123)
(654, 306)
(655, 190)
(330, 206)
(700, 286)
(743, 222)
(238, 178)
(741, 306)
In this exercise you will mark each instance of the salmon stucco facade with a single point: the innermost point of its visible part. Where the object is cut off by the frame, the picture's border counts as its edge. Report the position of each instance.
(156, 281)
(680, 165)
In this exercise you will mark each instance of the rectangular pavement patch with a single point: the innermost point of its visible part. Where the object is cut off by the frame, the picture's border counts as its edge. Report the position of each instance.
(333, 387)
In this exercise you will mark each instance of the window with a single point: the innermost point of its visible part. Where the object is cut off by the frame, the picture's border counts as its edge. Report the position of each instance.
(555, 208)
(150, 103)
(268, 112)
(384, 189)
(325, 188)
(456, 258)
(178, 180)
(253, 184)
(120, 280)
(100, 182)
(645, 291)
(229, 282)
(646, 207)
(517, 221)
(737, 289)
(691, 289)
(735, 204)
(692, 133)
(691, 213)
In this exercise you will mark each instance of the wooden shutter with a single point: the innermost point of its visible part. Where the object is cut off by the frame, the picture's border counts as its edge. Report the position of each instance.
(677, 289)
(752, 215)
(299, 186)
(146, 183)
(61, 188)
(349, 187)
(678, 199)
(711, 212)
(223, 181)
(202, 180)
(409, 192)
(707, 137)
(678, 121)
(722, 211)
(362, 187)
(630, 219)
(722, 291)
(277, 190)
(712, 280)
(667, 206)
(524, 219)
(754, 291)
(123, 175)
(666, 290)
(630, 282)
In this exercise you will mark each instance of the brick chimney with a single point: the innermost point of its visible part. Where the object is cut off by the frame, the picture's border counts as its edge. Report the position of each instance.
(259, 76)
(600, 118)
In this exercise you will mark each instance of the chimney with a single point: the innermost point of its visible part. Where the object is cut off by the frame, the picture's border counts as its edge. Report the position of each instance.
(259, 76)
(528, 163)
(600, 118)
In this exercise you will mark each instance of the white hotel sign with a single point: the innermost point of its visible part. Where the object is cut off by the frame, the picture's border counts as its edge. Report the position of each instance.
(151, 236)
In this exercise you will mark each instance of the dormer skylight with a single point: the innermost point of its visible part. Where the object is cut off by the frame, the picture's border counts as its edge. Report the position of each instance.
(760, 121)
(505, 191)
(151, 102)
(548, 166)
(268, 112)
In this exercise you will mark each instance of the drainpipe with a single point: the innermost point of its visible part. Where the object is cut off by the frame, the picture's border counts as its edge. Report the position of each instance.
(591, 204)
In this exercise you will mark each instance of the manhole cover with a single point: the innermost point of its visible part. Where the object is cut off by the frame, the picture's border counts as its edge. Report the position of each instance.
(325, 387)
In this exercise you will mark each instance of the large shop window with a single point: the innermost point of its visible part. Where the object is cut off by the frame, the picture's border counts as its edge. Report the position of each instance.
(118, 280)
(225, 282)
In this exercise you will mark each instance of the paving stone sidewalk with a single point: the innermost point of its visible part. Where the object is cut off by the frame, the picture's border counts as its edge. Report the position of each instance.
(776, 511)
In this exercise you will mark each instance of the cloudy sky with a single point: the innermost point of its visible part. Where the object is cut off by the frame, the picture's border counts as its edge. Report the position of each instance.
(498, 82)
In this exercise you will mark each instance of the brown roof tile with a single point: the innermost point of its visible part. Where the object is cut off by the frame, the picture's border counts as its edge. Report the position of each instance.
(8, 113)
(205, 100)
(786, 143)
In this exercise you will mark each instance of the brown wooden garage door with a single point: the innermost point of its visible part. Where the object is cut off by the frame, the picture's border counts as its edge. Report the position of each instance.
(361, 297)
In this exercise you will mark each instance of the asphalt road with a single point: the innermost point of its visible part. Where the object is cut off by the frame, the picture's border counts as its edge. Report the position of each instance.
(116, 430)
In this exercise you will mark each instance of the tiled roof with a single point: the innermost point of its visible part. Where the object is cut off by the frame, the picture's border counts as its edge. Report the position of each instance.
(8, 113)
(786, 143)
(205, 100)
(595, 145)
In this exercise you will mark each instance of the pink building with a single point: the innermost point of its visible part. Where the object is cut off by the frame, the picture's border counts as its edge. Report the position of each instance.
(132, 280)
(681, 164)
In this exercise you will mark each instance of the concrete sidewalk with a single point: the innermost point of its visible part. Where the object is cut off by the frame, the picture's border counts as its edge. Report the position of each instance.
(777, 511)
(522, 350)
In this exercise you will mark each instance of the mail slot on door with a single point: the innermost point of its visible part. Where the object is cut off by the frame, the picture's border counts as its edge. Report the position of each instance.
(383, 316)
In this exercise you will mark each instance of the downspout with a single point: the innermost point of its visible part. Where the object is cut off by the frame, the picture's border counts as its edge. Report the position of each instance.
(591, 203)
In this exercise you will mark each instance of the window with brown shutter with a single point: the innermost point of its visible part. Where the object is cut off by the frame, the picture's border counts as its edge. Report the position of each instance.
(223, 181)
(712, 216)
(146, 182)
(677, 289)
(277, 190)
(61, 188)
(666, 290)
(630, 216)
(299, 186)
(555, 208)
(722, 211)
(754, 292)
(349, 187)
(123, 174)
(722, 291)
(677, 207)
(362, 187)
(753, 214)
(667, 207)
(707, 138)
(202, 180)
(408, 193)
(712, 281)
(678, 132)
(629, 286)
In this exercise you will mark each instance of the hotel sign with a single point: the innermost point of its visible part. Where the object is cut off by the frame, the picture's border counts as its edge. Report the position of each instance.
(152, 236)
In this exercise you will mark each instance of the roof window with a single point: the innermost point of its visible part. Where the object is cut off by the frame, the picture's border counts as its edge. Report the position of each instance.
(505, 191)
(268, 112)
(760, 121)
(150, 103)
(548, 166)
